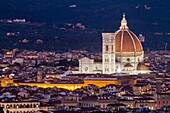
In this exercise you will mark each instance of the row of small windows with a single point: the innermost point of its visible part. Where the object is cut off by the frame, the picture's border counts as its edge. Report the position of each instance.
(107, 48)
(163, 96)
(150, 106)
(163, 103)
(20, 106)
(125, 82)
(92, 105)
(106, 59)
(128, 59)
(106, 69)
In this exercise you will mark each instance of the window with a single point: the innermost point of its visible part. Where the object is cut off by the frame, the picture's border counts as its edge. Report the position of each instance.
(107, 48)
(166, 102)
(106, 59)
(159, 96)
(106, 69)
(128, 59)
(163, 96)
(159, 103)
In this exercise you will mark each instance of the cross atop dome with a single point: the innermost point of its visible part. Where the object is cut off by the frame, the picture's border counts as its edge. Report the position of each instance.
(123, 23)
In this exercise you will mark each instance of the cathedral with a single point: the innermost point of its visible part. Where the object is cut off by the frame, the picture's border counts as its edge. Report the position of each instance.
(122, 52)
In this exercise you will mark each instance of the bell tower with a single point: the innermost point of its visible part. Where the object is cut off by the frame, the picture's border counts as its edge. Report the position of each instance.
(108, 53)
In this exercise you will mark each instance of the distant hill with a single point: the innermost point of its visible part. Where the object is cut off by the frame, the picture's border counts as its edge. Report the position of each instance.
(148, 17)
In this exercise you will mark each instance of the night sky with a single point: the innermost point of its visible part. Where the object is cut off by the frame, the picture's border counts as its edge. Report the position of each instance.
(147, 17)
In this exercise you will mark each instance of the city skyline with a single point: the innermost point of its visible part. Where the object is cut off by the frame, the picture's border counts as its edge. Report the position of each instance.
(78, 56)
(71, 21)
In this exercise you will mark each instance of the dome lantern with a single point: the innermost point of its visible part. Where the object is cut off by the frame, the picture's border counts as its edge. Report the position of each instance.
(123, 23)
(126, 42)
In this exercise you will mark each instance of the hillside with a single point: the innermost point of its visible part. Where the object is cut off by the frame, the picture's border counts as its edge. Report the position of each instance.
(148, 17)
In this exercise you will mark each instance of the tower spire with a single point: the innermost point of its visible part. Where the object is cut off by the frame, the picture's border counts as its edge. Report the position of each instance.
(123, 23)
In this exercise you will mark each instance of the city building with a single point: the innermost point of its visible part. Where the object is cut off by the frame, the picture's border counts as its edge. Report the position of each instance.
(20, 106)
(122, 52)
(163, 99)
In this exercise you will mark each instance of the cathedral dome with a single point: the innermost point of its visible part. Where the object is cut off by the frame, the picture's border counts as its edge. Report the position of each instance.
(126, 42)
(141, 67)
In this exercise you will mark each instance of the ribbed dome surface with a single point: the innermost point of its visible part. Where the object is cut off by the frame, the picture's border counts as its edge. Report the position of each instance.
(126, 41)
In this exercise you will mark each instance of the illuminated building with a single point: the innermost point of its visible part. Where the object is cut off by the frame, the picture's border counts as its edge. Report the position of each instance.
(122, 52)
(97, 101)
(149, 102)
(20, 106)
(100, 82)
(8, 54)
(163, 99)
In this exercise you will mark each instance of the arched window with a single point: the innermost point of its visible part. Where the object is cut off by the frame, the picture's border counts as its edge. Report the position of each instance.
(106, 59)
(7, 106)
(34, 105)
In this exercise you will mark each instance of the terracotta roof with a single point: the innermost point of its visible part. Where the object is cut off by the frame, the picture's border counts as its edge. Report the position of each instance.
(127, 43)
(142, 66)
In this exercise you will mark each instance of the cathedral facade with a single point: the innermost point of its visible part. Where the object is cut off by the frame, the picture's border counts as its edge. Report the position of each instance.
(122, 52)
